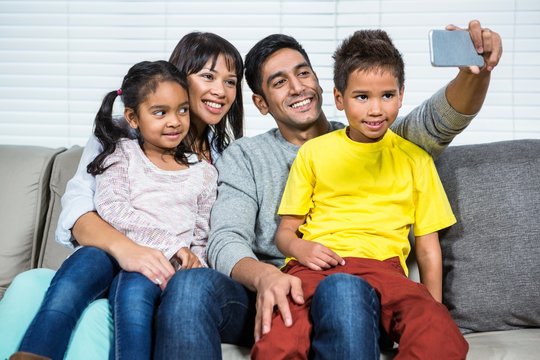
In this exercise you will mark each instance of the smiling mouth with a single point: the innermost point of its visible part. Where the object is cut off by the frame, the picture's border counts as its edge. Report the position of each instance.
(301, 103)
(373, 123)
(213, 104)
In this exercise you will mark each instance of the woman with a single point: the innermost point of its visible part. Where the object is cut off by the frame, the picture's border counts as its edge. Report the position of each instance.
(214, 72)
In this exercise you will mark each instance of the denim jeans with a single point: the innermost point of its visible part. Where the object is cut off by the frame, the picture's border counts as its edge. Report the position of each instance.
(202, 308)
(133, 299)
(82, 278)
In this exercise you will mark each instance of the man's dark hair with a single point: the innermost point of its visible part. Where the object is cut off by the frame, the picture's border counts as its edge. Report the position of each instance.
(261, 51)
(367, 50)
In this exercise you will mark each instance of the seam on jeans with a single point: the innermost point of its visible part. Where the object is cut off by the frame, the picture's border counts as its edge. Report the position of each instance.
(115, 300)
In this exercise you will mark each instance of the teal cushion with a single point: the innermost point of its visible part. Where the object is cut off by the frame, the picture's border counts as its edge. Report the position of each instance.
(21, 302)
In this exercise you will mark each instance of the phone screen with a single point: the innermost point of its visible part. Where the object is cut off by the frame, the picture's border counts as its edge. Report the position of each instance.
(453, 48)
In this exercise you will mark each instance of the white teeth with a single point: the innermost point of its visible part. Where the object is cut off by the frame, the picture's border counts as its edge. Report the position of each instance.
(301, 103)
(213, 104)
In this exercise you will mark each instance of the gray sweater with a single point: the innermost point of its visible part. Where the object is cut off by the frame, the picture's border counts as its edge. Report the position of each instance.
(253, 173)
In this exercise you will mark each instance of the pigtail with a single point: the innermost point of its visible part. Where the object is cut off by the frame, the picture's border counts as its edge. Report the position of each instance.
(106, 131)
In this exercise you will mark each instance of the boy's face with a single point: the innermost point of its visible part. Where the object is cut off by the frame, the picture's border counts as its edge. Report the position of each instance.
(371, 102)
(291, 88)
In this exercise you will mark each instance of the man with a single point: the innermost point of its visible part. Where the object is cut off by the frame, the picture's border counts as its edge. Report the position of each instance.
(236, 305)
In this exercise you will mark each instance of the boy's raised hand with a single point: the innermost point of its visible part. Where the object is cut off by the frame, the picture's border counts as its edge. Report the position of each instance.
(314, 255)
(486, 41)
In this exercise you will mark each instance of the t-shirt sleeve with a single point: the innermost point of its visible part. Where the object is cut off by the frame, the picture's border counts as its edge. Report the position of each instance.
(432, 208)
(297, 196)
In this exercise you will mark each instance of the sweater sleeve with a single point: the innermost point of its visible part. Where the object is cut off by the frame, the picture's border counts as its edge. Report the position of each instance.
(113, 205)
(433, 124)
(233, 217)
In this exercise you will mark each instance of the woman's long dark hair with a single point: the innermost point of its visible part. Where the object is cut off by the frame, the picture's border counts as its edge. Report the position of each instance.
(141, 79)
(190, 55)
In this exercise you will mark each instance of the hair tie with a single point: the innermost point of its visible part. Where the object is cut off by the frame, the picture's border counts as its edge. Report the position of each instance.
(119, 92)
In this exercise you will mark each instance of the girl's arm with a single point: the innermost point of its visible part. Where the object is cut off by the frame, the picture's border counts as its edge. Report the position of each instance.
(309, 253)
(113, 204)
(429, 258)
(91, 230)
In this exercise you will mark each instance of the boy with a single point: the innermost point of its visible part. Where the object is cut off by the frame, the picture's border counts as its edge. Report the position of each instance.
(350, 200)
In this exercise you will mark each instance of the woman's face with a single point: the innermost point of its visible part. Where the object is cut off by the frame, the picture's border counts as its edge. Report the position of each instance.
(212, 91)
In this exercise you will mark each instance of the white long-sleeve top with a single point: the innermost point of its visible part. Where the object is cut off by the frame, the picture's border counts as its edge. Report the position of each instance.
(162, 209)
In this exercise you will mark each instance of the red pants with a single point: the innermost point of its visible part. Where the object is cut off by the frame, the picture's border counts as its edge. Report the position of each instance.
(409, 314)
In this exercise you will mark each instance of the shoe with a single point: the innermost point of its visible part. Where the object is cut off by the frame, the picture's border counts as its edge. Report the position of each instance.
(21, 355)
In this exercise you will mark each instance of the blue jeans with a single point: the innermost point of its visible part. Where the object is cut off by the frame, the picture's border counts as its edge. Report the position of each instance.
(202, 305)
(82, 278)
(133, 299)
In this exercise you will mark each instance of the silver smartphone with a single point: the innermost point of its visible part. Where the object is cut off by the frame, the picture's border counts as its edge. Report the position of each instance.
(453, 48)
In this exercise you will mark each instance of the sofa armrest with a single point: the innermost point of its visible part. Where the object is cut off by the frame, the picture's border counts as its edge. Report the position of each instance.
(24, 182)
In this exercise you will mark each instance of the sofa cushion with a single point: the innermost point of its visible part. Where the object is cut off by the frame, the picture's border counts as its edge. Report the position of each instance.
(65, 165)
(24, 180)
(491, 257)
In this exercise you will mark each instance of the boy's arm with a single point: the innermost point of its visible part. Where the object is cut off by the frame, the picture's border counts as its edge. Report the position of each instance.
(309, 253)
(429, 258)
(436, 122)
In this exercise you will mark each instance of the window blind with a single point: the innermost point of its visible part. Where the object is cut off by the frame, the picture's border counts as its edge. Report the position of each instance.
(59, 58)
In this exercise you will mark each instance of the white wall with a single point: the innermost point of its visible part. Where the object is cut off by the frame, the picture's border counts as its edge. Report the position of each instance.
(58, 58)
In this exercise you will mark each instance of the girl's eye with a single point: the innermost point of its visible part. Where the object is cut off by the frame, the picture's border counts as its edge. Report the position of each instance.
(183, 110)
(159, 113)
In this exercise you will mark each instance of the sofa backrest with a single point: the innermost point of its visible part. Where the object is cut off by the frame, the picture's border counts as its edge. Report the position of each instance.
(24, 184)
(65, 165)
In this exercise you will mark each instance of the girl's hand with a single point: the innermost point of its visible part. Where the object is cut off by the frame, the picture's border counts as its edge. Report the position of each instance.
(188, 259)
(315, 256)
(147, 261)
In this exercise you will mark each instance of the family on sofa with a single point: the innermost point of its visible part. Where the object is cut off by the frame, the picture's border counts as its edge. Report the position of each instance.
(234, 304)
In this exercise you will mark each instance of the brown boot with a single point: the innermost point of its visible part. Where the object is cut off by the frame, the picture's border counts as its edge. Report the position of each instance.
(21, 355)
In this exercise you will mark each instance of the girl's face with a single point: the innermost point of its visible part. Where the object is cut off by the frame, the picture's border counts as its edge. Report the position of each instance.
(212, 91)
(162, 118)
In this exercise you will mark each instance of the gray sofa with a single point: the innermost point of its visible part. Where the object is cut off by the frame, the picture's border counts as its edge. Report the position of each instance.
(491, 256)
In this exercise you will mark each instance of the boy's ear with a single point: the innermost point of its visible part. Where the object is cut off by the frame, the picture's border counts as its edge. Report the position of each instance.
(338, 99)
(131, 118)
(401, 93)
(260, 103)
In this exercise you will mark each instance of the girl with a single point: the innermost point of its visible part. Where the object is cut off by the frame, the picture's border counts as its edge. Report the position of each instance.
(214, 71)
(152, 190)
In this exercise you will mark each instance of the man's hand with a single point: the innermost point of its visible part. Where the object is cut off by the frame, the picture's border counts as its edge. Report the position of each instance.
(188, 259)
(314, 255)
(272, 290)
(486, 41)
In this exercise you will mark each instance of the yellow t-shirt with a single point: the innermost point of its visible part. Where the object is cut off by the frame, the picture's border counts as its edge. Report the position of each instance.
(361, 199)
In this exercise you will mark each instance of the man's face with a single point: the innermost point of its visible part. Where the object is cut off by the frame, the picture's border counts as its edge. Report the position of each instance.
(292, 92)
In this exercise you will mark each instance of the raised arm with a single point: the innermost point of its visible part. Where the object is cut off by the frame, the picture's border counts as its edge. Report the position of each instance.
(436, 122)
(466, 93)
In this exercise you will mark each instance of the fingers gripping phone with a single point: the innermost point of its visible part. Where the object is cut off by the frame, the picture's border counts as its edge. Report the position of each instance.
(453, 48)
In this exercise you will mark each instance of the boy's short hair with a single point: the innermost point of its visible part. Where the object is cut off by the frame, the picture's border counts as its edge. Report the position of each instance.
(367, 50)
(261, 51)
